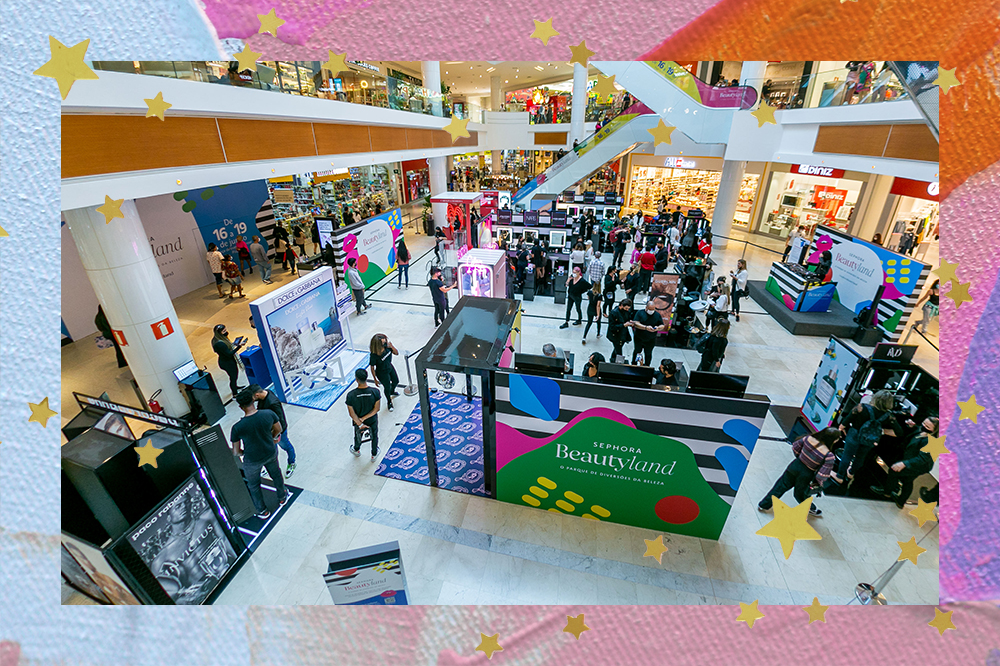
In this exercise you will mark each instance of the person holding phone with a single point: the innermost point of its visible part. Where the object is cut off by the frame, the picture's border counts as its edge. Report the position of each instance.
(226, 351)
(380, 360)
(439, 294)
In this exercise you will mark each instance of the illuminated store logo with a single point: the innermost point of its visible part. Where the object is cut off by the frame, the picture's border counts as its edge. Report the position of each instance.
(679, 163)
(364, 65)
(812, 170)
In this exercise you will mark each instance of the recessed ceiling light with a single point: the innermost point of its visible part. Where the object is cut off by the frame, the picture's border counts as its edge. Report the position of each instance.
(540, 69)
(491, 69)
(506, 80)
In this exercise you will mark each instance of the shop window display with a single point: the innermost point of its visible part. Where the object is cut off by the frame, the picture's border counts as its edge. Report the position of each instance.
(795, 199)
(688, 188)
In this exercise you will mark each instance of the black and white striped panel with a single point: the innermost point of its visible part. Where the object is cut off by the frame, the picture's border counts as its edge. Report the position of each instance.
(266, 226)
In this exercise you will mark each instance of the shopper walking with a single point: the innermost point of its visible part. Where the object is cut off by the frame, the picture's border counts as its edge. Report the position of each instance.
(576, 287)
(300, 241)
(618, 329)
(232, 273)
(576, 258)
(254, 437)
(647, 264)
(259, 255)
(243, 255)
(281, 242)
(266, 400)
(595, 299)
(357, 284)
(739, 288)
(633, 282)
(402, 263)
(214, 258)
(226, 352)
(915, 462)
(101, 322)
(712, 347)
(363, 405)
(930, 305)
(611, 283)
(798, 232)
(862, 430)
(646, 324)
(439, 295)
(293, 259)
(619, 241)
(813, 461)
(380, 356)
(439, 238)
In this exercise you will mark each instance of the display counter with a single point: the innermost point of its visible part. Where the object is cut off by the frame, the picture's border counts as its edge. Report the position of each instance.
(797, 288)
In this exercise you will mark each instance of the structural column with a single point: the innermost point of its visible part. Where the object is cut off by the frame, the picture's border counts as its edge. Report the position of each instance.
(431, 72)
(579, 108)
(752, 73)
(438, 168)
(726, 200)
(128, 283)
(496, 94)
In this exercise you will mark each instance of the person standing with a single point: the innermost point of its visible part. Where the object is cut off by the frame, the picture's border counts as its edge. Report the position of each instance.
(863, 429)
(523, 257)
(293, 259)
(718, 306)
(259, 255)
(814, 459)
(214, 258)
(300, 241)
(576, 258)
(403, 262)
(713, 347)
(226, 352)
(255, 437)
(633, 282)
(266, 400)
(646, 324)
(647, 264)
(540, 261)
(363, 405)
(798, 232)
(930, 309)
(576, 286)
(673, 240)
(101, 322)
(595, 269)
(662, 256)
(380, 356)
(357, 286)
(705, 244)
(618, 329)
(610, 287)
(232, 273)
(619, 241)
(439, 294)
(594, 310)
(739, 288)
(281, 236)
(243, 254)
(899, 484)
(439, 238)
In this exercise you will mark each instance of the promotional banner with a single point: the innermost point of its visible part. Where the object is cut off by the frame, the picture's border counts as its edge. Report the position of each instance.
(634, 111)
(826, 393)
(324, 226)
(370, 576)
(225, 212)
(488, 202)
(663, 291)
(373, 244)
(94, 564)
(184, 546)
(78, 578)
(743, 97)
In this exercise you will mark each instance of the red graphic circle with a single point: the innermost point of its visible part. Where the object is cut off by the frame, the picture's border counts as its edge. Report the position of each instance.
(677, 509)
(363, 263)
(346, 572)
(389, 593)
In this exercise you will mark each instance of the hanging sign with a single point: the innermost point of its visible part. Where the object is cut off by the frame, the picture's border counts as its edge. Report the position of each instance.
(813, 170)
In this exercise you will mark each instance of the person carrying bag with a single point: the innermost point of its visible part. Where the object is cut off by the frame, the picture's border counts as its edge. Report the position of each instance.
(863, 430)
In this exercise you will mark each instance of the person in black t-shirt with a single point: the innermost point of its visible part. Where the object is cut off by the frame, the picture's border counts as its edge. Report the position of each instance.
(363, 405)
(254, 437)
(380, 360)
(662, 257)
(439, 294)
(618, 325)
(267, 400)
(576, 287)
(646, 324)
(666, 374)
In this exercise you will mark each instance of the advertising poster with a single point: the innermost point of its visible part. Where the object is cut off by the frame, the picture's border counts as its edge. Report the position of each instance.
(184, 546)
(93, 562)
(826, 393)
(225, 212)
(743, 97)
(78, 578)
(488, 202)
(324, 227)
(373, 245)
(663, 291)
(370, 576)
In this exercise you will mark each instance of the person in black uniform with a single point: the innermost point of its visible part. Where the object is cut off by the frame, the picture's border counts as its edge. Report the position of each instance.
(254, 437)
(227, 351)
(363, 405)
(666, 374)
(646, 324)
(618, 327)
(662, 257)
(267, 400)
(610, 287)
(899, 484)
(540, 261)
(593, 364)
(439, 294)
(380, 360)
(576, 287)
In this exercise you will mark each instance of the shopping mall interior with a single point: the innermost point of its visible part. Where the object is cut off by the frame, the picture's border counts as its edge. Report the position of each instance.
(739, 257)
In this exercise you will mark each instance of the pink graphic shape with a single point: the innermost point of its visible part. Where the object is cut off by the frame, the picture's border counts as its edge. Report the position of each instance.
(512, 444)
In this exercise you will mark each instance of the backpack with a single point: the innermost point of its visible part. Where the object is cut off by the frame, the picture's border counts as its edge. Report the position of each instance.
(702, 345)
(870, 431)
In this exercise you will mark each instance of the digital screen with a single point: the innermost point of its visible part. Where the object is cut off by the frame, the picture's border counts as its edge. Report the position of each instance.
(558, 218)
(712, 383)
(589, 197)
(505, 216)
(620, 373)
(185, 370)
(610, 197)
(531, 218)
(557, 239)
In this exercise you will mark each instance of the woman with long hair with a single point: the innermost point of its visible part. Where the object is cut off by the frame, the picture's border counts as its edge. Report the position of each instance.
(739, 289)
(718, 307)
(594, 300)
(633, 281)
(226, 352)
(814, 459)
(863, 429)
(380, 356)
(713, 347)
(610, 287)
(402, 262)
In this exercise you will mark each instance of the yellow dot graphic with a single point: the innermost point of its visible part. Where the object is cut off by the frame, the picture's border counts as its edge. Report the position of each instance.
(904, 280)
(535, 490)
(891, 262)
(565, 506)
(548, 483)
(555, 511)
(891, 271)
(590, 517)
(904, 271)
(890, 280)
(573, 497)
(905, 262)
(531, 500)
(600, 511)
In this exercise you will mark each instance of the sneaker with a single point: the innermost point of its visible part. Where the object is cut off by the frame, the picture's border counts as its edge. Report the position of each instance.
(762, 509)
(598, 336)
(356, 452)
(879, 490)
(566, 325)
(390, 408)
(264, 514)
(375, 455)
(290, 470)
(584, 341)
(900, 501)
(284, 499)
(814, 511)
(925, 495)
(578, 323)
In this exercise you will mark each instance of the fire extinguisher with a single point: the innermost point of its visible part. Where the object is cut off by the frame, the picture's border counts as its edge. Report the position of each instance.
(153, 405)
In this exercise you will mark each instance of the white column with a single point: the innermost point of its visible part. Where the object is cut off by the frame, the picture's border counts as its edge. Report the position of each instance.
(752, 73)
(495, 162)
(726, 200)
(579, 108)
(438, 168)
(431, 73)
(128, 283)
(496, 94)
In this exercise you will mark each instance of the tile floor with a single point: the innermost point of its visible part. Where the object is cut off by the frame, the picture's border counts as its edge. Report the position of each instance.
(459, 549)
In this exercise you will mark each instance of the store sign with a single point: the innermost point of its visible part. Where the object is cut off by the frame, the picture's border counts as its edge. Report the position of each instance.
(679, 163)
(886, 351)
(812, 170)
(162, 328)
(917, 189)
(329, 176)
(364, 65)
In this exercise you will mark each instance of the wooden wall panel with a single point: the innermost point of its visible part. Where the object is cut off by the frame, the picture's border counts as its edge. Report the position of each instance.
(441, 139)
(113, 144)
(418, 139)
(471, 140)
(337, 139)
(852, 139)
(550, 138)
(247, 140)
(387, 138)
(912, 142)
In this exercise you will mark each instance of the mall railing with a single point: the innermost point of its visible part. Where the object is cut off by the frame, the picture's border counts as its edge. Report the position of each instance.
(914, 329)
(831, 88)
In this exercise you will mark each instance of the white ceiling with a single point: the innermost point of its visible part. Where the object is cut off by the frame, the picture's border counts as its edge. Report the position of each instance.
(472, 78)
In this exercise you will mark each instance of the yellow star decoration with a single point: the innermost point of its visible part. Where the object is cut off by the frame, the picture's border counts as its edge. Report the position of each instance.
(959, 293)
(661, 133)
(581, 53)
(764, 114)
(970, 410)
(156, 106)
(247, 59)
(946, 79)
(605, 86)
(147, 453)
(655, 548)
(946, 271)
(269, 23)
(843, 1)
(66, 65)
(575, 625)
(749, 613)
(488, 645)
(942, 621)
(457, 128)
(935, 445)
(924, 512)
(3, 234)
(40, 413)
(111, 209)
(337, 62)
(909, 550)
(544, 31)
(790, 525)
(817, 611)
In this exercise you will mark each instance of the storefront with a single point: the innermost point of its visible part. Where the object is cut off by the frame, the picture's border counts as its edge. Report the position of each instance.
(807, 195)
(688, 182)
(915, 218)
(416, 179)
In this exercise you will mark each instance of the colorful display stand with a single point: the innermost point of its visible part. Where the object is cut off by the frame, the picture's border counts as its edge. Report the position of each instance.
(459, 206)
(483, 273)
(369, 576)
(372, 243)
(795, 286)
